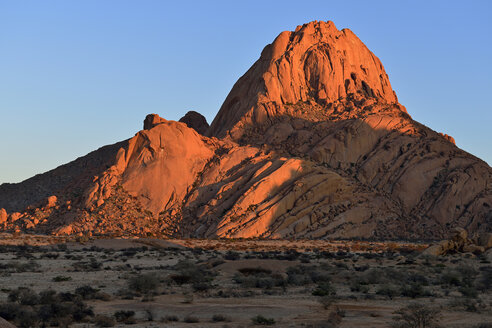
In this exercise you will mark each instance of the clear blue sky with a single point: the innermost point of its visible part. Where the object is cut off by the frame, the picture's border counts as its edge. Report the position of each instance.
(77, 75)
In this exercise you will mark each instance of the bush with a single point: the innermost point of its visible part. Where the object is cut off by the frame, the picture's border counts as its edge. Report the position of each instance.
(356, 286)
(470, 292)
(170, 318)
(232, 256)
(388, 291)
(413, 291)
(143, 283)
(417, 316)
(86, 292)
(104, 321)
(91, 265)
(19, 267)
(191, 319)
(262, 280)
(189, 272)
(9, 311)
(484, 325)
(254, 271)
(126, 317)
(485, 280)
(61, 278)
(201, 286)
(27, 318)
(261, 320)
(219, 318)
(324, 289)
(28, 309)
(24, 296)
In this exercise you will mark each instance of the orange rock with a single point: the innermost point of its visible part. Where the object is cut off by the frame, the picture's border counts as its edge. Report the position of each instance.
(3, 216)
(316, 61)
(310, 143)
(152, 120)
(15, 216)
(51, 201)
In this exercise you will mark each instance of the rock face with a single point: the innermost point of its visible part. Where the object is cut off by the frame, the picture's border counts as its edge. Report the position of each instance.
(196, 121)
(315, 62)
(310, 143)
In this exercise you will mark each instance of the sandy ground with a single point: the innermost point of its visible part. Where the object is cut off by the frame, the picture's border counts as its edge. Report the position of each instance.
(290, 306)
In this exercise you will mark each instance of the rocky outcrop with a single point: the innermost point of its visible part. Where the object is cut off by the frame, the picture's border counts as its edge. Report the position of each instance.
(152, 120)
(3, 216)
(310, 143)
(316, 62)
(196, 121)
(460, 243)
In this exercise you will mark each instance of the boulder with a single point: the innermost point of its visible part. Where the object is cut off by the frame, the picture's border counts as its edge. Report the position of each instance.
(459, 234)
(15, 216)
(473, 249)
(3, 216)
(196, 121)
(434, 250)
(485, 240)
(51, 201)
(152, 120)
(64, 230)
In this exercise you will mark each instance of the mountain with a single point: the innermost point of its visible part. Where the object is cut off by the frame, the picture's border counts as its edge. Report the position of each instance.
(311, 142)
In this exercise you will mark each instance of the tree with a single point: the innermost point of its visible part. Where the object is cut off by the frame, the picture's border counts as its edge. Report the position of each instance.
(417, 316)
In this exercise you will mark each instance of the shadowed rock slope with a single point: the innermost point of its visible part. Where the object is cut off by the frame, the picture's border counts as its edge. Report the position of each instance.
(310, 143)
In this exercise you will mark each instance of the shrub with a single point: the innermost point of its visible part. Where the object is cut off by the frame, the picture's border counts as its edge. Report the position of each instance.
(356, 286)
(61, 278)
(484, 325)
(413, 291)
(417, 316)
(485, 280)
(324, 289)
(263, 321)
(170, 318)
(91, 265)
(219, 318)
(191, 319)
(388, 291)
(126, 317)
(254, 271)
(9, 311)
(261, 280)
(232, 256)
(19, 267)
(305, 275)
(189, 272)
(27, 318)
(24, 296)
(470, 292)
(104, 321)
(201, 286)
(45, 308)
(143, 283)
(86, 292)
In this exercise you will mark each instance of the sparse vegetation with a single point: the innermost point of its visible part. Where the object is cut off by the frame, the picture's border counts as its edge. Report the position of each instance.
(262, 321)
(156, 280)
